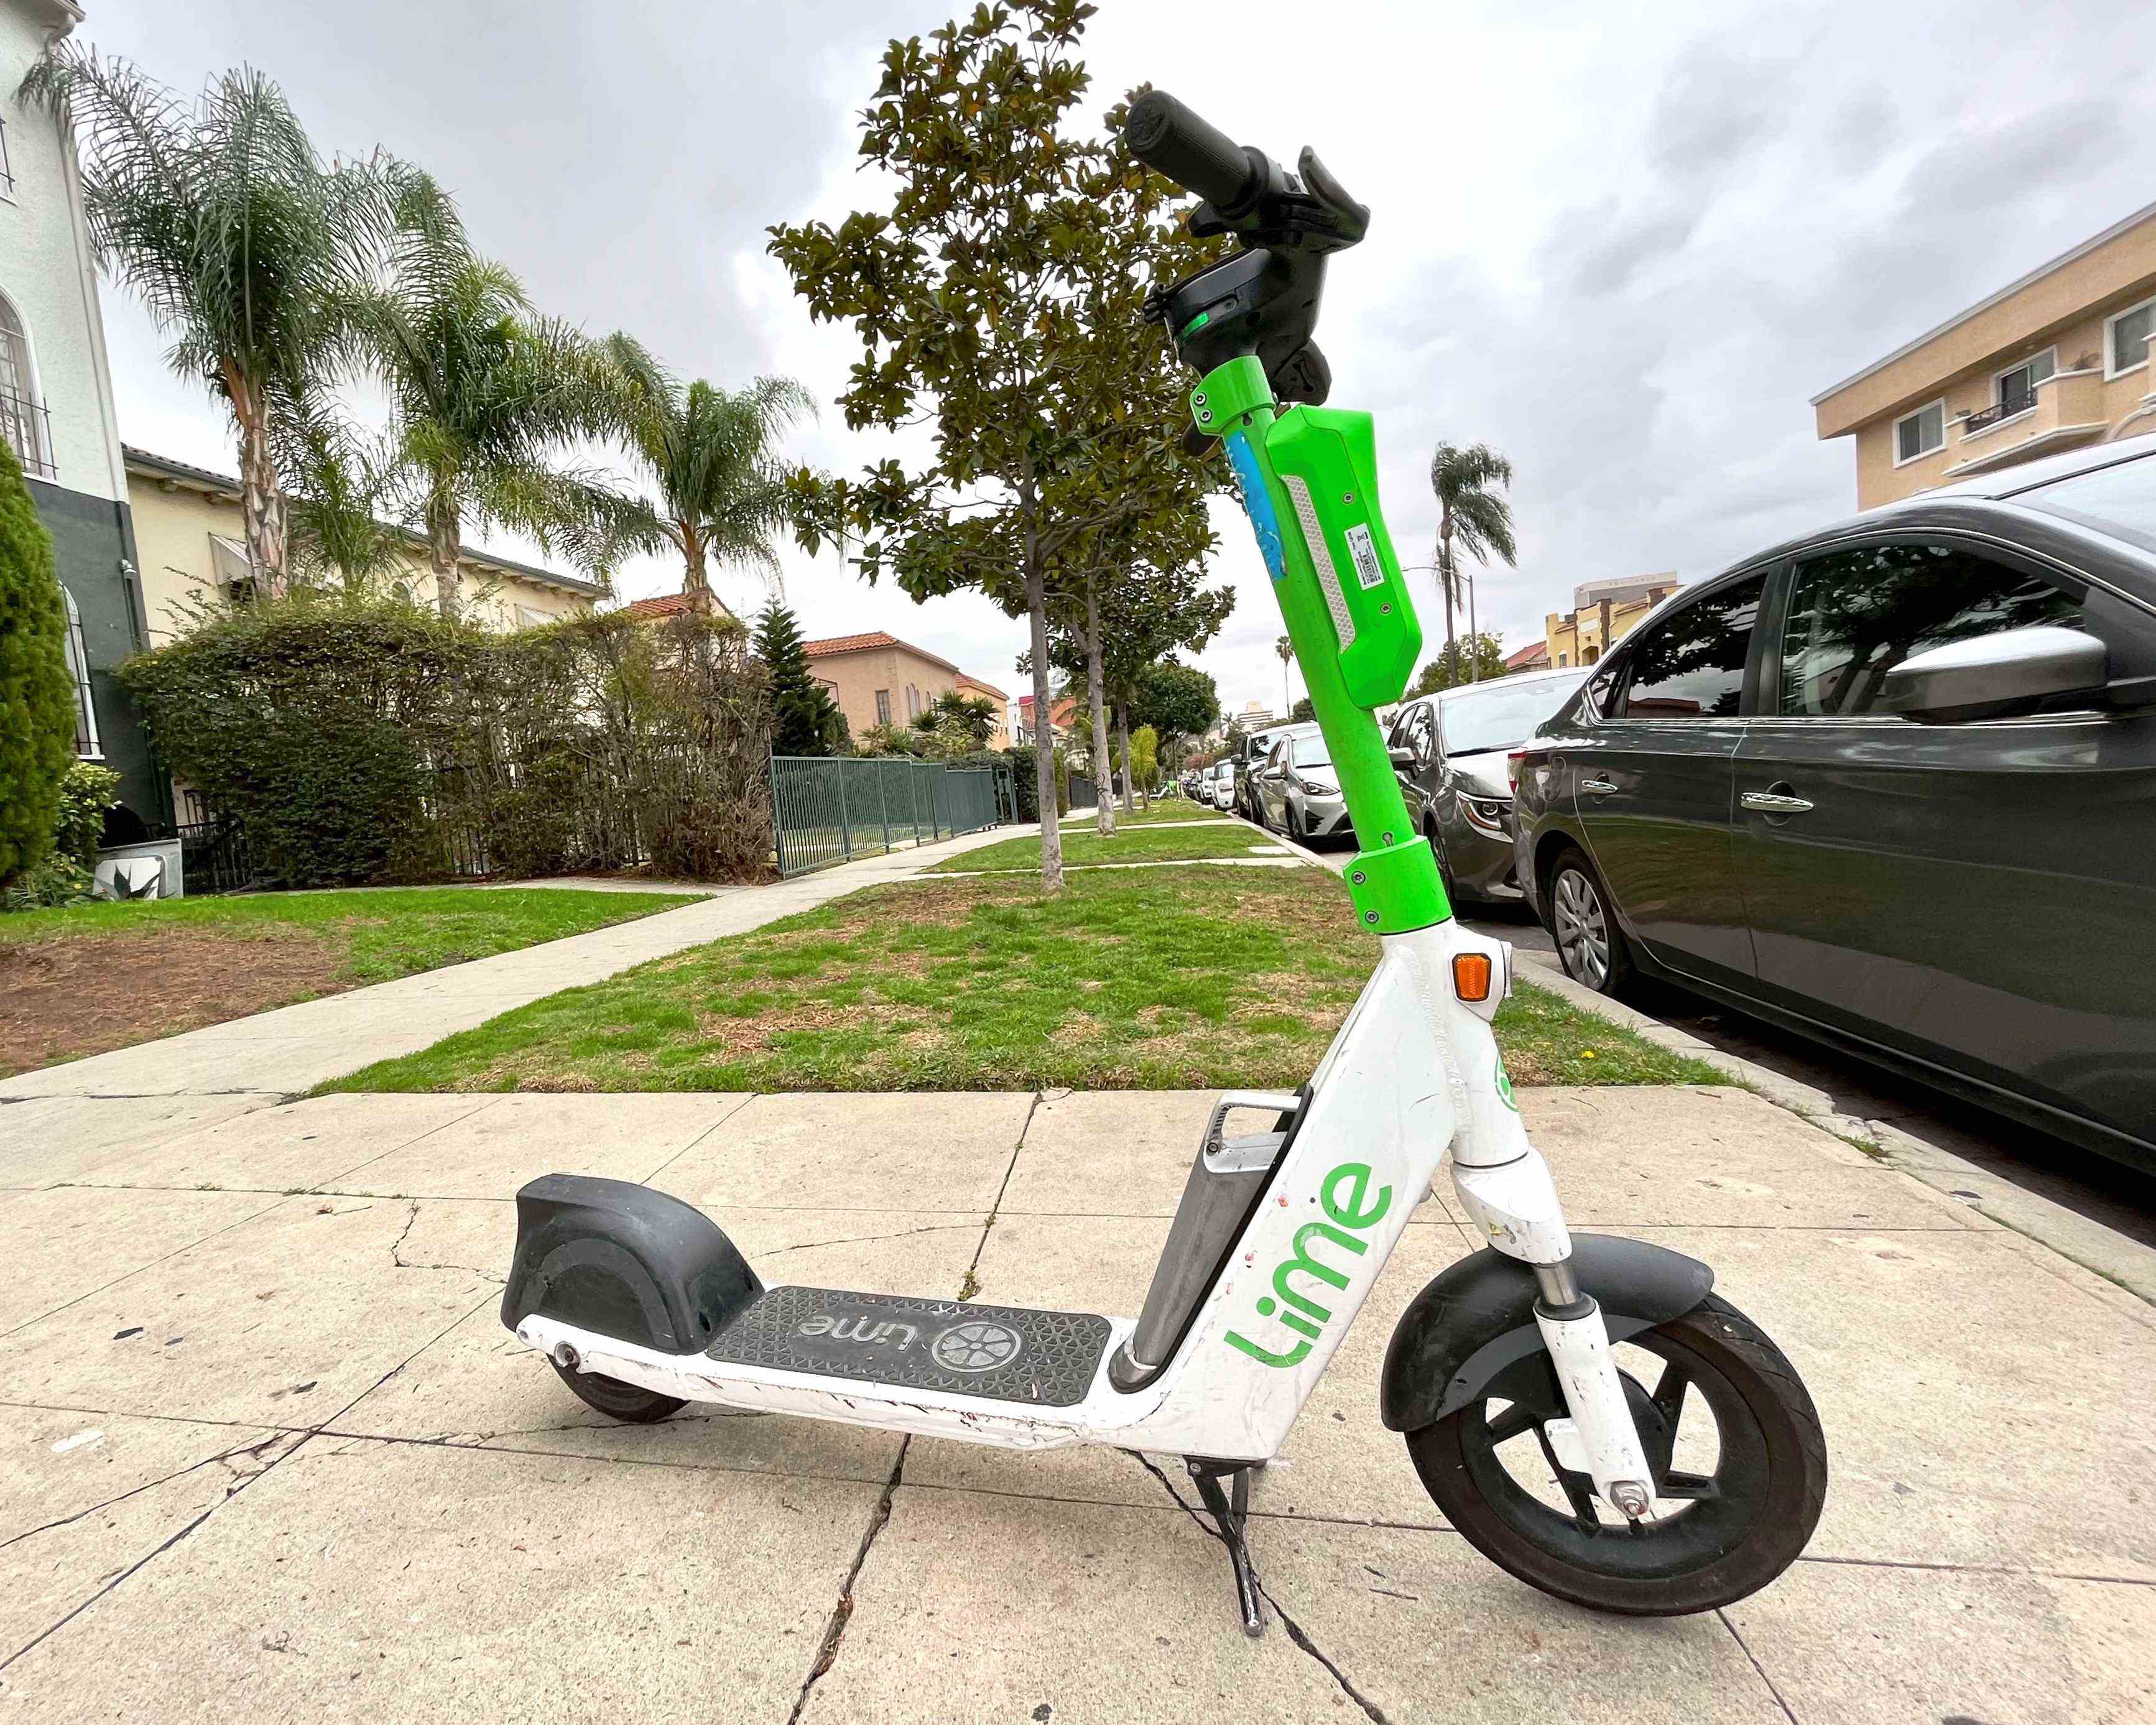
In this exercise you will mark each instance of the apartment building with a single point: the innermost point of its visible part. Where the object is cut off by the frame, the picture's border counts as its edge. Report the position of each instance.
(2055, 360)
(193, 540)
(879, 680)
(1603, 614)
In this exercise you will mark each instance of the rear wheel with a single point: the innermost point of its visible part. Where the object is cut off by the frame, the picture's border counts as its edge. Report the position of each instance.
(1733, 1441)
(630, 1403)
(1589, 944)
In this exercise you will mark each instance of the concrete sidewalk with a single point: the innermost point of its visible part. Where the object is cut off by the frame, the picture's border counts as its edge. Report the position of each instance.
(269, 1453)
(294, 1049)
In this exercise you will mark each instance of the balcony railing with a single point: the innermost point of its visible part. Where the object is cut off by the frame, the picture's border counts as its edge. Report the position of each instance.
(2006, 407)
(28, 426)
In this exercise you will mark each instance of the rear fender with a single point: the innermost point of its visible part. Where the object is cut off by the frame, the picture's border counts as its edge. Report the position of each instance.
(625, 1262)
(1478, 1316)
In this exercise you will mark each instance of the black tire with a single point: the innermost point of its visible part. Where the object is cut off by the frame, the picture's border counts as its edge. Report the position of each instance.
(1585, 897)
(1444, 868)
(1710, 1540)
(628, 1403)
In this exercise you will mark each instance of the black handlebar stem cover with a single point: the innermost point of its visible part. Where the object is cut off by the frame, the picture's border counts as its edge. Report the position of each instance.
(1201, 158)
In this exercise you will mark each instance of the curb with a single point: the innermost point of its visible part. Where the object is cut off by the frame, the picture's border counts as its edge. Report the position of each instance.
(2124, 1263)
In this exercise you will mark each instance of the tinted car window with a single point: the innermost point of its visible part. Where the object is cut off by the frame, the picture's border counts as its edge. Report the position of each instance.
(1855, 614)
(1690, 664)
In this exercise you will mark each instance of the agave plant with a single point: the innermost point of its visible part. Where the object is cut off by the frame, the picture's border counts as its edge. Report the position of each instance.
(710, 453)
(243, 244)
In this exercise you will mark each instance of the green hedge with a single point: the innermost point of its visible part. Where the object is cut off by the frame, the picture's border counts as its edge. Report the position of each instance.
(361, 741)
(37, 693)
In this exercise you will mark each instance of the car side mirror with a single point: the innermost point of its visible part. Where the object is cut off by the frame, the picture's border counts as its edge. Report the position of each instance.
(1993, 677)
(1402, 757)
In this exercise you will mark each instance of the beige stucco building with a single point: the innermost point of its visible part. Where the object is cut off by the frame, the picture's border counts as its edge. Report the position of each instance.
(1603, 614)
(879, 680)
(192, 545)
(2055, 360)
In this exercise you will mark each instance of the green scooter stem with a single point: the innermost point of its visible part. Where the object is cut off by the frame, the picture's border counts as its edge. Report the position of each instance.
(1393, 879)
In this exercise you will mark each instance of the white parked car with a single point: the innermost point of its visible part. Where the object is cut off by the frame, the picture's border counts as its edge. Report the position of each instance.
(1220, 781)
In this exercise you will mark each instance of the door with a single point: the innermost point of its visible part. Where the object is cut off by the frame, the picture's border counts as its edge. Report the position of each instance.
(1415, 731)
(1653, 783)
(1982, 895)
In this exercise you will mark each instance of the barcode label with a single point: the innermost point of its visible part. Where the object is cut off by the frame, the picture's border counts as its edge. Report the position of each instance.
(1363, 549)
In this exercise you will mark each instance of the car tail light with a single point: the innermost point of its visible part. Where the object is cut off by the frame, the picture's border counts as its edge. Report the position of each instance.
(1514, 762)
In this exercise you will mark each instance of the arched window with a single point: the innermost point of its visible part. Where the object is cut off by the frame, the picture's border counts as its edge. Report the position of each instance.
(86, 742)
(23, 420)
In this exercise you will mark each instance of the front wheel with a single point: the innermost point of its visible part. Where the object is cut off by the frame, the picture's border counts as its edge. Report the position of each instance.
(1730, 1432)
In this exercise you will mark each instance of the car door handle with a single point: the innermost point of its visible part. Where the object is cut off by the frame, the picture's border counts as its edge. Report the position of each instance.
(1773, 803)
(1600, 787)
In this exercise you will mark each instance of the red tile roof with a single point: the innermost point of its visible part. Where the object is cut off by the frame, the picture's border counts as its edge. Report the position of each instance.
(673, 604)
(967, 680)
(1534, 652)
(874, 639)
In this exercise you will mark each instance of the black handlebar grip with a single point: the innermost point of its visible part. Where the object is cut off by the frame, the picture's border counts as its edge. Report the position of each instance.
(1167, 136)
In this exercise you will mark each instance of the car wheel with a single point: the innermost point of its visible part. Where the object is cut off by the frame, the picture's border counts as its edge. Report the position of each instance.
(1589, 944)
(1444, 868)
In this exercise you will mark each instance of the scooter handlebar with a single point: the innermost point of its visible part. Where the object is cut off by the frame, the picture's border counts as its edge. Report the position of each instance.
(1201, 158)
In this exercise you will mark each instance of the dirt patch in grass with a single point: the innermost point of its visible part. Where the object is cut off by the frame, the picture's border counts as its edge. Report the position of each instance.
(60, 1000)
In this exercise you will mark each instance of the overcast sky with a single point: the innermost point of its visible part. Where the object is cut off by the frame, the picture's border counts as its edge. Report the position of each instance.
(1624, 244)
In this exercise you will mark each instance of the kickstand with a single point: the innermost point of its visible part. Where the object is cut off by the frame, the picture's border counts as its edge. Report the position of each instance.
(1230, 1513)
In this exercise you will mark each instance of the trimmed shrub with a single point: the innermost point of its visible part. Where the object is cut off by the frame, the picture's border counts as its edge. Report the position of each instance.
(63, 877)
(37, 690)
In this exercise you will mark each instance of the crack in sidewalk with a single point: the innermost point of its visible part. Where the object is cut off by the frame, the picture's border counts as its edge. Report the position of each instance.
(842, 1612)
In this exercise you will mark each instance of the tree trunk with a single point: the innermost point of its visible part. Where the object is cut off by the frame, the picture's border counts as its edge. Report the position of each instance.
(1104, 801)
(1123, 741)
(694, 580)
(444, 552)
(261, 497)
(1444, 580)
(1044, 726)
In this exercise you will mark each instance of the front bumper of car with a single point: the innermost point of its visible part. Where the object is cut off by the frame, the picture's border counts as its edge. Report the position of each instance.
(1318, 813)
(1479, 849)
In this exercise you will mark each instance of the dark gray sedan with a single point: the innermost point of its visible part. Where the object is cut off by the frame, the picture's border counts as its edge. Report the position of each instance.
(1893, 785)
(1448, 750)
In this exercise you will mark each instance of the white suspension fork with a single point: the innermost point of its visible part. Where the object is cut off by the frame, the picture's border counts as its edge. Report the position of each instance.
(1505, 1187)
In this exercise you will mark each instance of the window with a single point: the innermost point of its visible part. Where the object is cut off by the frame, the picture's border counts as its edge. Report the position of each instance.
(2014, 390)
(2126, 338)
(7, 174)
(1311, 751)
(1691, 664)
(2119, 499)
(23, 419)
(1920, 434)
(883, 706)
(1855, 614)
(1414, 732)
(86, 742)
(1499, 715)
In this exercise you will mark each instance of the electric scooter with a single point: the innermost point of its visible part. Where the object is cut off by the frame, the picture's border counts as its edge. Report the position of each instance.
(1583, 1408)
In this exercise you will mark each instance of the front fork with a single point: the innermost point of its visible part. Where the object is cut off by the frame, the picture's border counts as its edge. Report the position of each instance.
(1505, 1187)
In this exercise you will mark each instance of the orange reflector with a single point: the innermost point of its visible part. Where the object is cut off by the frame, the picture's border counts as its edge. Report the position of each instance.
(1470, 976)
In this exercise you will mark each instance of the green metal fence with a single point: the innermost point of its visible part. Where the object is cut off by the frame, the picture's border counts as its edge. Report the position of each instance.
(832, 809)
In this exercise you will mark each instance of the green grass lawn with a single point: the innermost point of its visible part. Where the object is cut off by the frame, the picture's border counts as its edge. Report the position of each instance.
(1234, 976)
(1171, 808)
(93, 977)
(1141, 843)
(385, 934)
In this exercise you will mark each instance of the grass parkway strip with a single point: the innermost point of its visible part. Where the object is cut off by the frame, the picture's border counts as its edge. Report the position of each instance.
(1082, 844)
(1164, 811)
(1145, 980)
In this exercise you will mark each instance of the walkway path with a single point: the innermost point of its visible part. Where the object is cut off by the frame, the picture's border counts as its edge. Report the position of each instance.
(296, 1048)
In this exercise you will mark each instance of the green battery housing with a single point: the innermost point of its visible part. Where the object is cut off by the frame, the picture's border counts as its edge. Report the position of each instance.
(1327, 460)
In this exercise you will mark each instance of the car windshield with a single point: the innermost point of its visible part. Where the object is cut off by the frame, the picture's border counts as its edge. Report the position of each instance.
(2120, 500)
(1310, 752)
(1498, 717)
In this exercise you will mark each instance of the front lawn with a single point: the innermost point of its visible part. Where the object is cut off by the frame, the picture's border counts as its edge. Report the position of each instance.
(1141, 843)
(89, 978)
(1124, 981)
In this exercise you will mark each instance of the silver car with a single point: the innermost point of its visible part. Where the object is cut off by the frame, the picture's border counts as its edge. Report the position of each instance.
(1296, 791)
(1450, 751)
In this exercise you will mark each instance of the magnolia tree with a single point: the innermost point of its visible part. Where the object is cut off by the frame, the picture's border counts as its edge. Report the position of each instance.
(996, 301)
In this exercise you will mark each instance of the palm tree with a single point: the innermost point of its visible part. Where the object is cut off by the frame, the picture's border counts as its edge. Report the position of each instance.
(484, 397)
(1471, 512)
(1285, 648)
(721, 492)
(239, 240)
